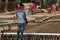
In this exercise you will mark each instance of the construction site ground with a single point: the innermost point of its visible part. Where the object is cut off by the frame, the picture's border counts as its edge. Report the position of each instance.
(37, 23)
(46, 26)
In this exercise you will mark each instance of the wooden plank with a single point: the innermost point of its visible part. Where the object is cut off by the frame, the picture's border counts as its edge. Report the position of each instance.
(41, 15)
(7, 16)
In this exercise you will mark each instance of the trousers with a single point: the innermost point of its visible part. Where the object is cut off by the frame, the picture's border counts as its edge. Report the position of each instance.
(20, 31)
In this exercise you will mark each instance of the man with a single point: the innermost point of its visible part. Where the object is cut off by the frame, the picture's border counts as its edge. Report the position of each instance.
(54, 7)
(21, 16)
(32, 7)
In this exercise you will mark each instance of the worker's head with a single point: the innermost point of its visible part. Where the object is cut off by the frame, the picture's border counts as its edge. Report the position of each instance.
(21, 6)
(33, 2)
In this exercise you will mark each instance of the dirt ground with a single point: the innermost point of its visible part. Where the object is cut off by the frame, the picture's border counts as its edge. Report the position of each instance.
(46, 27)
(41, 27)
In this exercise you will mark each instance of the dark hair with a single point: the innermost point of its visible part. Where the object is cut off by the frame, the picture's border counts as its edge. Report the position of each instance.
(21, 4)
(33, 2)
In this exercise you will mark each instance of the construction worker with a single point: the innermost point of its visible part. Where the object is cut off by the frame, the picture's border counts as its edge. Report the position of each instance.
(32, 7)
(21, 17)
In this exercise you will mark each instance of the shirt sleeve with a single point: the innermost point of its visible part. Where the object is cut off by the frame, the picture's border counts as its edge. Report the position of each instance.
(24, 15)
(16, 15)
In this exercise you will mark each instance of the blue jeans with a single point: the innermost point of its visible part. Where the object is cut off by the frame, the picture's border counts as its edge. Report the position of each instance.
(20, 30)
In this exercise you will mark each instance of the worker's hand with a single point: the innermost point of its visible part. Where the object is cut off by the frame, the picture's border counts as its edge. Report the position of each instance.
(26, 21)
(14, 16)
